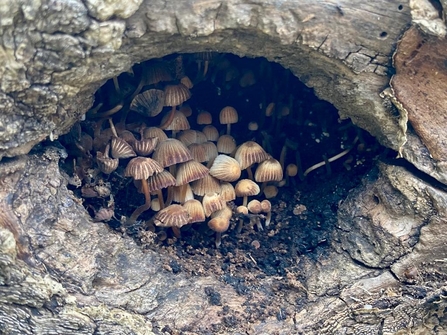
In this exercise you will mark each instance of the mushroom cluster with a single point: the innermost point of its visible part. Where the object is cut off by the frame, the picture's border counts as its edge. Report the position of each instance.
(188, 155)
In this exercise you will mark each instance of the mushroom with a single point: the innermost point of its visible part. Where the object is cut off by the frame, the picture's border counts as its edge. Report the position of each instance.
(245, 188)
(268, 170)
(141, 168)
(226, 144)
(198, 152)
(148, 103)
(106, 164)
(159, 181)
(179, 122)
(175, 95)
(255, 207)
(174, 216)
(195, 211)
(291, 171)
(242, 211)
(204, 117)
(267, 208)
(156, 132)
(228, 115)
(227, 192)
(220, 225)
(145, 146)
(207, 184)
(225, 168)
(270, 191)
(188, 172)
(211, 203)
(249, 153)
(211, 133)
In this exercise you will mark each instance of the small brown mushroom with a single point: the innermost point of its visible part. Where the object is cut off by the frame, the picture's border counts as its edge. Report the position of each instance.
(267, 208)
(245, 188)
(174, 216)
(255, 207)
(219, 224)
(228, 115)
(225, 168)
(141, 168)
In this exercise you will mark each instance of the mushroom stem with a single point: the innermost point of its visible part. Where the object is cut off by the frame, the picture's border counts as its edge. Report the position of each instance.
(112, 127)
(117, 85)
(240, 225)
(249, 172)
(205, 67)
(160, 199)
(169, 119)
(176, 231)
(147, 205)
(218, 239)
(245, 201)
(282, 156)
(228, 128)
(330, 160)
(268, 218)
(112, 111)
(299, 165)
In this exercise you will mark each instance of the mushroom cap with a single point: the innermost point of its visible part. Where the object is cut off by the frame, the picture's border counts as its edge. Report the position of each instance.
(227, 191)
(249, 153)
(211, 133)
(226, 144)
(208, 184)
(121, 149)
(140, 168)
(127, 136)
(172, 216)
(198, 152)
(225, 212)
(190, 171)
(225, 168)
(106, 165)
(171, 152)
(178, 196)
(242, 210)
(246, 187)
(291, 170)
(269, 170)
(195, 210)
(160, 180)
(254, 206)
(211, 203)
(186, 110)
(155, 132)
(219, 224)
(149, 103)
(145, 146)
(270, 191)
(211, 151)
(266, 206)
(187, 82)
(204, 117)
(228, 115)
(154, 72)
(176, 94)
(179, 122)
(270, 109)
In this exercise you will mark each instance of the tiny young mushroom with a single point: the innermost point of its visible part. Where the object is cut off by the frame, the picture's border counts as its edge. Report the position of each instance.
(267, 208)
(228, 115)
(270, 191)
(242, 211)
(255, 207)
(291, 171)
(174, 216)
(219, 224)
(245, 188)
(141, 168)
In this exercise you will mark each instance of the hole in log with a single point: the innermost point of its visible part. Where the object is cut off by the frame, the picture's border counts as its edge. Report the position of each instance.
(383, 35)
(320, 156)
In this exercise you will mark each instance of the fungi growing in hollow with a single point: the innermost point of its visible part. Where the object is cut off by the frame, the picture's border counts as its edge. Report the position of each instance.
(159, 181)
(268, 170)
(141, 168)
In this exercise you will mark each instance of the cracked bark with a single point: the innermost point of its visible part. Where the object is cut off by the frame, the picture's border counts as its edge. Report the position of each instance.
(61, 273)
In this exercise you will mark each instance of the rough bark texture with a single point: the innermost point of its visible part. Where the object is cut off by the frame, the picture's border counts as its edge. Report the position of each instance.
(60, 273)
